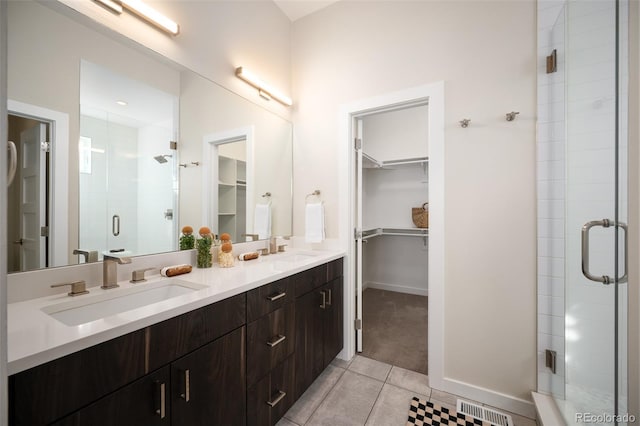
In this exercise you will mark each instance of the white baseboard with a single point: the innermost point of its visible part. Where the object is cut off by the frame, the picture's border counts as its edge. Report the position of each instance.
(486, 396)
(396, 288)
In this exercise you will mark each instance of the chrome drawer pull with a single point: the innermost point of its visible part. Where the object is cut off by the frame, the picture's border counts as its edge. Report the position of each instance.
(186, 395)
(323, 305)
(162, 410)
(329, 301)
(279, 339)
(278, 399)
(277, 296)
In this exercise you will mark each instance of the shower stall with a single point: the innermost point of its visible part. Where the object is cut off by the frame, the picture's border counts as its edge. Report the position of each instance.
(582, 210)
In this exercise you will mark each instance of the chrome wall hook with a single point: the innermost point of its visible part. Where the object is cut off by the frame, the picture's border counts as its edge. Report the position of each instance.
(511, 115)
(464, 123)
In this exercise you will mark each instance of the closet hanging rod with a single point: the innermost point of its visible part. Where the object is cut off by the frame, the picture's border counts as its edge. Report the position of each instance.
(399, 162)
(409, 232)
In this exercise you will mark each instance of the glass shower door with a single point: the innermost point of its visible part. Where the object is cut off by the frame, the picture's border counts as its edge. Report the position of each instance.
(595, 212)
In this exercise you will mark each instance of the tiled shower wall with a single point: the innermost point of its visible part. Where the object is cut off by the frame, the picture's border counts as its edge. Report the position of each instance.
(551, 147)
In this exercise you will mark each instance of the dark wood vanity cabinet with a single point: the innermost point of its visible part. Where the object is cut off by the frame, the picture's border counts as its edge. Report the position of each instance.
(243, 360)
(319, 325)
(270, 348)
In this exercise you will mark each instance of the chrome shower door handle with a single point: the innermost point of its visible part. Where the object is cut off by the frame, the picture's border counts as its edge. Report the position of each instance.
(115, 225)
(605, 223)
(623, 278)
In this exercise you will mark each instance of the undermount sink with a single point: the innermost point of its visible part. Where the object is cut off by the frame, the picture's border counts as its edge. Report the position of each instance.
(297, 256)
(111, 302)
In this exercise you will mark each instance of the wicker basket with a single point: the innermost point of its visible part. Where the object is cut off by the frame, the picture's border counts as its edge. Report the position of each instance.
(420, 216)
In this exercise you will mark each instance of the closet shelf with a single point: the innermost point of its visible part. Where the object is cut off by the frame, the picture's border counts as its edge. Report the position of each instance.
(403, 232)
(370, 162)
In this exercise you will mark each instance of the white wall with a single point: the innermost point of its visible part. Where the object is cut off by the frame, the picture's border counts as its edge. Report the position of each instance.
(485, 53)
(396, 135)
(3, 225)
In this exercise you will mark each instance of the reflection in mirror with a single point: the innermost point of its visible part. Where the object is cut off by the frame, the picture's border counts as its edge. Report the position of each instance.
(27, 218)
(81, 194)
(232, 188)
(127, 171)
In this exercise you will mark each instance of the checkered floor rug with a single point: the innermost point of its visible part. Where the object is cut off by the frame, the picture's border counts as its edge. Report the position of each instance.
(427, 413)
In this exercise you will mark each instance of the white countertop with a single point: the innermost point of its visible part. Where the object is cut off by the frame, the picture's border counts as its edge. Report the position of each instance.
(34, 337)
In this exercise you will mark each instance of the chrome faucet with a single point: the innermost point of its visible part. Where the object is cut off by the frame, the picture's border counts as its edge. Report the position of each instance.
(89, 256)
(273, 244)
(110, 270)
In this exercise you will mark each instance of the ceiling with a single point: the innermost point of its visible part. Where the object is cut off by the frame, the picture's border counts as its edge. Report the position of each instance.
(296, 9)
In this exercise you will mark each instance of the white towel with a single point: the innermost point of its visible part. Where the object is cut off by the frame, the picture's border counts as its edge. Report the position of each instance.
(314, 223)
(262, 221)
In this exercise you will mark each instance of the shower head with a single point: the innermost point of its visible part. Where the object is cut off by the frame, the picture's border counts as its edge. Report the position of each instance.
(162, 158)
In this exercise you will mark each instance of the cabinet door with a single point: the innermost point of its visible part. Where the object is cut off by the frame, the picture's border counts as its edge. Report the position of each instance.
(332, 322)
(208, 386)
(143, 402)
(309, 358)
(50, 391)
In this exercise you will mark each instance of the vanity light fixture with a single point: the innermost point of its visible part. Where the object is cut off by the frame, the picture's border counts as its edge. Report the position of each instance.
(144, 11)
(264, 90)
(112, 5)
(151, 15)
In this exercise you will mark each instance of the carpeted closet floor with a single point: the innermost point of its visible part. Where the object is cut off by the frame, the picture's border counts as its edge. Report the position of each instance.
(394, 328)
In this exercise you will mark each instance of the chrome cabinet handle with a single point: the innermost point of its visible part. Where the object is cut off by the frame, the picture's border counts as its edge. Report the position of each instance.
(329, 298)
(20, 241)
(279, 339)
(162, 410)
(186, 394)
(277, 296)
(115, 225)
(323, 305)
(277, 399)
(605, 223)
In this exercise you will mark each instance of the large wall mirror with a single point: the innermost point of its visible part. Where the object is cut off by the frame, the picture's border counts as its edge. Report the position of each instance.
(115, 148)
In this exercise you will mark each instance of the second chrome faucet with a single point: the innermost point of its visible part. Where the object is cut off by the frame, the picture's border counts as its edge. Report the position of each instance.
(110, 270)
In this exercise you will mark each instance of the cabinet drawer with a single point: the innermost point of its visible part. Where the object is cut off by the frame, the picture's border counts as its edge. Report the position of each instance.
(306, 281)
(270, 340)
(268, 298)
(334, 269)
(270, 398)
(50, 391)
(178, 336)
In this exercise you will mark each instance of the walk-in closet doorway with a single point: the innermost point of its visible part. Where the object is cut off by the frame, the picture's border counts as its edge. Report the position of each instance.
(396, 269)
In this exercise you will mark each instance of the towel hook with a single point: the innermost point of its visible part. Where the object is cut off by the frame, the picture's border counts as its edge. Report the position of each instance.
(464, 123)
(511, 115)
(266, 194)
(316, 193)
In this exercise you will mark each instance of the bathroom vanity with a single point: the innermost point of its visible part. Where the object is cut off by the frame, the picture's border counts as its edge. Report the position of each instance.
(239, 349)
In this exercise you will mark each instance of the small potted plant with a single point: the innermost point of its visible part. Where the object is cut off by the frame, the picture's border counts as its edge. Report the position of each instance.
(187, 239)
(203, 245)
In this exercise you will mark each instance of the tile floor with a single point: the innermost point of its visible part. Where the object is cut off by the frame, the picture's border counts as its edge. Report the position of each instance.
(366, 392)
